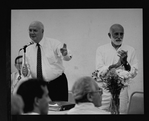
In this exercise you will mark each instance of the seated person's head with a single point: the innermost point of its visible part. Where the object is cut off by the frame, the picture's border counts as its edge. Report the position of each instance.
(16, 105)
(34, 93)
(85, 89)
(18, 62)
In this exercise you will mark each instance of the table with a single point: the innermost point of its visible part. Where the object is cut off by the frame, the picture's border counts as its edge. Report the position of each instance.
(57, 112)
(60, 107)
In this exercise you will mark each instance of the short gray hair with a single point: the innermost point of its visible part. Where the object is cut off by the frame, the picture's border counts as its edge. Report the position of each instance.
(38, 23)
(82, 86)
(115, 25)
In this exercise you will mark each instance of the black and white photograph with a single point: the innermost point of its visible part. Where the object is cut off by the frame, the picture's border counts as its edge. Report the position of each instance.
(76, 61)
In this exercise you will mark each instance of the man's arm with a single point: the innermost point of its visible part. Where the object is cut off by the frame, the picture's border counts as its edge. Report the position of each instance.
(100, 63)
(115, 65)
(127, 66)
(133, 64)
(123, 59)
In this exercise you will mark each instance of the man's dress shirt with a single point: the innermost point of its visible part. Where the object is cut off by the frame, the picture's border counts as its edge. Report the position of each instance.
(52, 58)
(16, 80)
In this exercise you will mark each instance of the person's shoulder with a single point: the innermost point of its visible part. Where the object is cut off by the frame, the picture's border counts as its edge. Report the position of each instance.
(103, 46)
(14, 73)
(30, 47)
(129, 47)
(51, 39)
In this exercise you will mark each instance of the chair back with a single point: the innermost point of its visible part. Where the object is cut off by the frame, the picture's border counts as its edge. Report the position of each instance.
(71, 97)
(136, 105)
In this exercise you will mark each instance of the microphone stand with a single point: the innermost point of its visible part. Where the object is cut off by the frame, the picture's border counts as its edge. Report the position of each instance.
(24, 63)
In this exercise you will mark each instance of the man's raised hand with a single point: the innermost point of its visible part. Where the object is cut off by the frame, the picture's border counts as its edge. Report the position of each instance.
(64, 50)
(123, 56)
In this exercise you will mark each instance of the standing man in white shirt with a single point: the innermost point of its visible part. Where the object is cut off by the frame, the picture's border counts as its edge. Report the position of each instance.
(108, 56)
(53, 52)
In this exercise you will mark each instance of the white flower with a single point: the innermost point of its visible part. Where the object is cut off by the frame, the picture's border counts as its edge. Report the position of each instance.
(102, 71)
(124, 75)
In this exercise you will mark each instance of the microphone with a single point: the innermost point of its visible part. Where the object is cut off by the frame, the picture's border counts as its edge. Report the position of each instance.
(26, 45)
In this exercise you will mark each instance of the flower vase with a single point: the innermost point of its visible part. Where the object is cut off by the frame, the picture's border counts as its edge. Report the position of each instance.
(114, 105)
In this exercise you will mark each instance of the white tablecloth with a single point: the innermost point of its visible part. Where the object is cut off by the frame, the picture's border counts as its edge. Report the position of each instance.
(54, 108)
(57, 112)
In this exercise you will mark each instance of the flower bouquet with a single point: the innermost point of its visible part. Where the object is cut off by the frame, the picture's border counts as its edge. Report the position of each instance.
(113, 80)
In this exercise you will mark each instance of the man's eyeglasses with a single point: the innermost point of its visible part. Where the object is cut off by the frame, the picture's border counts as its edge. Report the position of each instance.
(100, 90)
(19, 63)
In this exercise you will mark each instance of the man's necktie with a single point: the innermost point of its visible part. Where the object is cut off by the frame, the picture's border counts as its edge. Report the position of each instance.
(39, 63)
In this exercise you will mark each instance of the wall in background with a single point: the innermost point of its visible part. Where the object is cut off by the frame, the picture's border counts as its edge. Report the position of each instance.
(83, 30)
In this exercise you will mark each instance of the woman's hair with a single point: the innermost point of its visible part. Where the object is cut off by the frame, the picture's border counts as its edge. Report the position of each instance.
(81, 88)
(29, 90)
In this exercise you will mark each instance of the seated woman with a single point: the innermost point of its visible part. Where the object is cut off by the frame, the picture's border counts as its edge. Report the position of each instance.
(88, 97)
